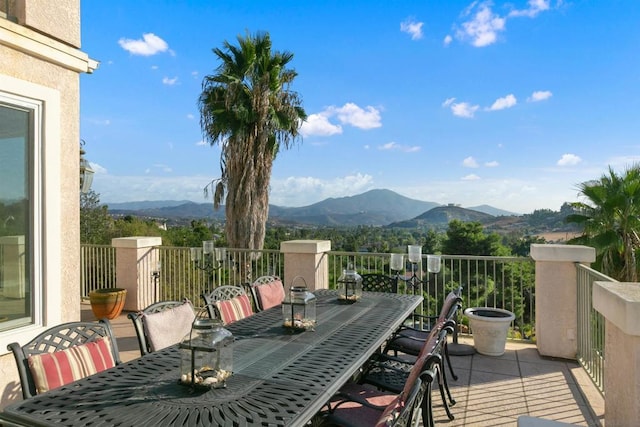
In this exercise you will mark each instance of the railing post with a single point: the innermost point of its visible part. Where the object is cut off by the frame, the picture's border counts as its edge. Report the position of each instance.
(308, 259)
(135, 257)
(556, 297)
(619, 304)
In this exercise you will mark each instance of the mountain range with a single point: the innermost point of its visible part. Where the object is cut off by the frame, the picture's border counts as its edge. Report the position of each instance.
(373, 208)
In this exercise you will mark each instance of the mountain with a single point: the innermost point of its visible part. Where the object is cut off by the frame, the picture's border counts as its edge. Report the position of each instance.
(492, 211)
(440, 217)
(146, 204)
(373, 208)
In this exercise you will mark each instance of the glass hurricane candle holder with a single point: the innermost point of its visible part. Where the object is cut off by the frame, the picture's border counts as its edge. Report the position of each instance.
(299, 308)
(206, 355)
(349, 285)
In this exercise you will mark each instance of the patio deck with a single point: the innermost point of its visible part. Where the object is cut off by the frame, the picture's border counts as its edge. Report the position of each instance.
(490, 391)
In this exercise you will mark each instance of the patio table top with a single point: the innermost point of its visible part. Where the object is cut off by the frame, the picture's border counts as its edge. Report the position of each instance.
(280, 378)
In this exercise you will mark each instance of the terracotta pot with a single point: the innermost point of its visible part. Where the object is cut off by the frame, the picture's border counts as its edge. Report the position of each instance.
(107, 303)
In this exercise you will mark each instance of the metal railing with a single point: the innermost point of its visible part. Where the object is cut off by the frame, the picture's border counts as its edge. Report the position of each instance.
(178, 277)
(487, 281)
(590, 334)
(97, 268)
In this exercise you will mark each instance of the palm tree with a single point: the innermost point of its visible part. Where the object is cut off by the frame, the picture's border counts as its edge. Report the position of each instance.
(611, 221)
(247, 108)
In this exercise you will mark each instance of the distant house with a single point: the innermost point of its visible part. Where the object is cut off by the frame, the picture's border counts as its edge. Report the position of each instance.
(40, 66)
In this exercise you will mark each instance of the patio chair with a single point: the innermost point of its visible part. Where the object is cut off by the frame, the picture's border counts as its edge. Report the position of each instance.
(267, 292)
(162, 324)
(358, 405)
(390, 373)
(410, 340)
(228, 303)
(63, 354)
(374, 282)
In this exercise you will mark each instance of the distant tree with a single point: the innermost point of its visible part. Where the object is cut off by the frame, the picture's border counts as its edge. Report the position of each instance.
(469, 238)
(96, 225)
(247, 108)
(610, 218)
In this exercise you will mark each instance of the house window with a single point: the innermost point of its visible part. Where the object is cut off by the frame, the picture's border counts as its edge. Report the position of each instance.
(19, 223)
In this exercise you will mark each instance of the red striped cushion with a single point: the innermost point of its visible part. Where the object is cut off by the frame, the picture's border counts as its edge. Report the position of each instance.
(234, 309)
(53, 370)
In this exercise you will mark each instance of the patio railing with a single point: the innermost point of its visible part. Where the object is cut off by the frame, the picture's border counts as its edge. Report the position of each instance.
(590, 333)
(503, 282)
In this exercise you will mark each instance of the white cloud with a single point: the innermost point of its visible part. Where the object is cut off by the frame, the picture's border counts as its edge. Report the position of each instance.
(505, 102)
(149, 45)
(202, 142)
(447, 102)
(190, 116)
(353, 115)
(302, 191)
(540, 95)
(535, 7)
(569, 160)
(471, 177)
(483, 27)
(169, 82)
(447, 40)
(413, 28)
(463, 109)
(470, 162)
(399, 147)
(319, 125)
(154, 67)
(492, 164)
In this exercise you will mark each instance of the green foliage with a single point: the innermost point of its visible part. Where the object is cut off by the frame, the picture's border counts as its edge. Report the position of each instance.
(469, 238)
(96, 225)
(610, 218)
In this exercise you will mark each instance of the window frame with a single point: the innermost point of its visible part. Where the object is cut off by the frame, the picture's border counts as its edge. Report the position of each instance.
(45, 217)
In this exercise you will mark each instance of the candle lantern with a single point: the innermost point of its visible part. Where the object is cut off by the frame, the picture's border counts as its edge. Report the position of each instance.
(206, 355)
(349, 285)
(299, 308)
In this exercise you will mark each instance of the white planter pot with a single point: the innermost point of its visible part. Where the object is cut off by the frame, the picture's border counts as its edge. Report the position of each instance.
(489, 327)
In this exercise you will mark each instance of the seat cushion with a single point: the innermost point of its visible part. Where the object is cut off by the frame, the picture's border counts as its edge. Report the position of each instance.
(168, 327)
(234, 309)
(53, 370)
(270, 294)
(409, 341)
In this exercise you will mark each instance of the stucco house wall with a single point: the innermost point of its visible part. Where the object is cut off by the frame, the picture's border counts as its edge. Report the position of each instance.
(39, 45)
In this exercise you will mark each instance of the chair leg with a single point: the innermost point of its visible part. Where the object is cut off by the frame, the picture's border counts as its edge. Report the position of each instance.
(427, 408)
(446, 355)
(443, 380)
(442, 394)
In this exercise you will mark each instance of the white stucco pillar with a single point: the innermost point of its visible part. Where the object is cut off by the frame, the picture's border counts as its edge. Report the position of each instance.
(556, 300)
(619, 304)
(307, 259)
(136, 259)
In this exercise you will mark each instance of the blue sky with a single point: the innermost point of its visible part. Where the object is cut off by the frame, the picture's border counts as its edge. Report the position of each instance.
(510, 104)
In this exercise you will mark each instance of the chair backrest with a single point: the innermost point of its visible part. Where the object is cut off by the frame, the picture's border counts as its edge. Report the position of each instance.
(162, 324)
(374, 282)
(61, 339)
(267, 292)
(404, 408)
(451, 305)
(228, 303)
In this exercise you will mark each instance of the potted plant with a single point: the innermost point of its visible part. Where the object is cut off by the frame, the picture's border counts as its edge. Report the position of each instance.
(107, 303)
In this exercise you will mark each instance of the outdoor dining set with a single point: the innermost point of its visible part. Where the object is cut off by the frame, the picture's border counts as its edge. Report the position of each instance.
(260, 354)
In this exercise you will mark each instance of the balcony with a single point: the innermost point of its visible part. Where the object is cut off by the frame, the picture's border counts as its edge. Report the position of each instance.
(489, 390)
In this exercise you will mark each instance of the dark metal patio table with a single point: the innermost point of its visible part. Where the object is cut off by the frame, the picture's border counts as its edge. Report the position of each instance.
(280, 378)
